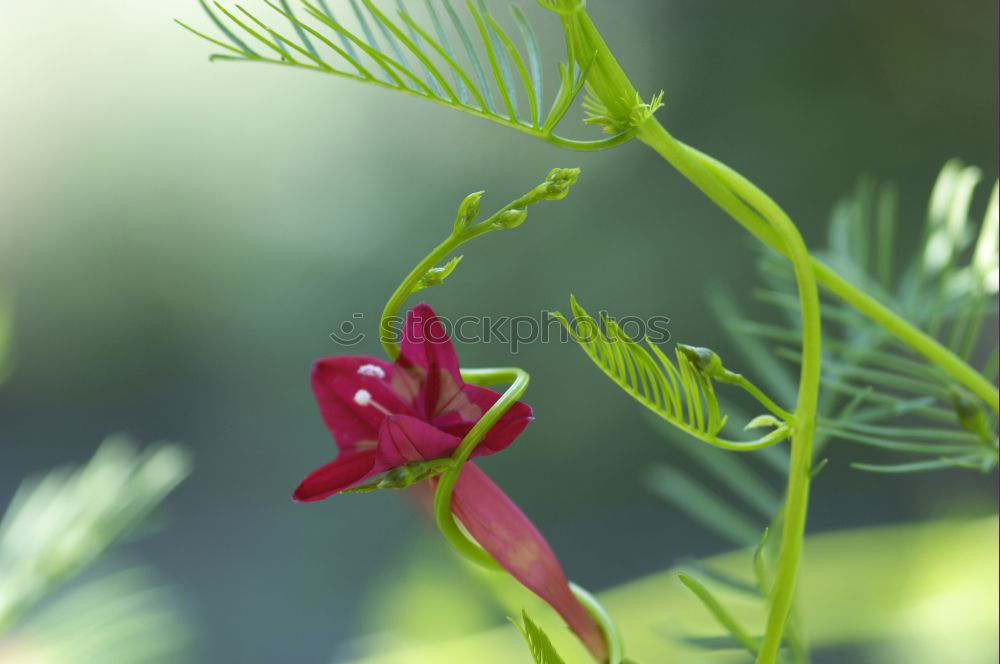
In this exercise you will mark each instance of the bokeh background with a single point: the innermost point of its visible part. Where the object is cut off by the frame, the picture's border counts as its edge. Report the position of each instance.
(179, 239)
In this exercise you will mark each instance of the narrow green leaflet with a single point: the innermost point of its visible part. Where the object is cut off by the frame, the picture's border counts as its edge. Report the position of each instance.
(721, 615)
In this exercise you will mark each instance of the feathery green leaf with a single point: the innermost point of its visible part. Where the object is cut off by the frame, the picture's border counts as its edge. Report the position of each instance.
(405, 56)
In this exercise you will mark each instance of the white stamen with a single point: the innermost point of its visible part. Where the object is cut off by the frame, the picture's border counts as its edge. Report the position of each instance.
(362, 397)
(372, 370)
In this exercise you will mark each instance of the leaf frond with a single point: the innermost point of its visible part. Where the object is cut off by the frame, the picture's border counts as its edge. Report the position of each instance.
(675, 390)
(417, 56)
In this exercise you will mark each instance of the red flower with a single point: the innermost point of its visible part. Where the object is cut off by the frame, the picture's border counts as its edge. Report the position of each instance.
(384, 416)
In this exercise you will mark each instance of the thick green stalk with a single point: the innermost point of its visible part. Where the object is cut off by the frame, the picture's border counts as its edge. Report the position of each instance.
(770, 221)
(711, 177)
(797, 493)
(799, 476)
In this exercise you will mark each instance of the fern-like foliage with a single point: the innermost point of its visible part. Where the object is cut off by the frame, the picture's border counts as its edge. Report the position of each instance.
(58, 525)
(678, 393)
(681, 393)
(125, 617)
(475, 65)
(875, 391)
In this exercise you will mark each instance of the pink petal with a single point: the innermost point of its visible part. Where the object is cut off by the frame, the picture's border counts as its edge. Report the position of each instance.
(514, 542)
(346, 470)
(336, 381)
(404, 438)
(503, 433)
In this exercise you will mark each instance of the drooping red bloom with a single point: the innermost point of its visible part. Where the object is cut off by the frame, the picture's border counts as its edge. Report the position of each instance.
(383, 416)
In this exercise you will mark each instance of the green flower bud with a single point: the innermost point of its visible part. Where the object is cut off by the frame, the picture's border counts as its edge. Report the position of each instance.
(558, 183)
(511, 218)
(468, 211)
(706, 360)
(436, 275)
(708, 363)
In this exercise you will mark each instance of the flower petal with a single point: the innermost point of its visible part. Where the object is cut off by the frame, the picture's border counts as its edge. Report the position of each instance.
(508, 535)
(346, 470)
(404, 438)
(427, 352)
(503, 433)
(425, 342)
(337, 380)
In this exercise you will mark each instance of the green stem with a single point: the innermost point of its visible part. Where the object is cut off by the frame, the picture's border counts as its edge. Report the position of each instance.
(518, 379)
(711, 177)
(769, 222)
(758, 394)
(405, 289)
(799, 476)
(616, 647)
(910, 335)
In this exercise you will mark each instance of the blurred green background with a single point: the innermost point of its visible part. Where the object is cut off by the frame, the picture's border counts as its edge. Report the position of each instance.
(179, 239)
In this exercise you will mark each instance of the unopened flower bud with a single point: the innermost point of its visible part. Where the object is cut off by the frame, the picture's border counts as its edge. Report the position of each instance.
(436, 275)
(468, 211)
(511, 218)
(709, 363)
(705, 359)
(559, 181)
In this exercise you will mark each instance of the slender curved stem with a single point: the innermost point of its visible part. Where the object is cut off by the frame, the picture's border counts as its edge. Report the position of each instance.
(405, 289)
(616, 647)
(590, 146)
(771, 438)
(758, 394)
(518, 379)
